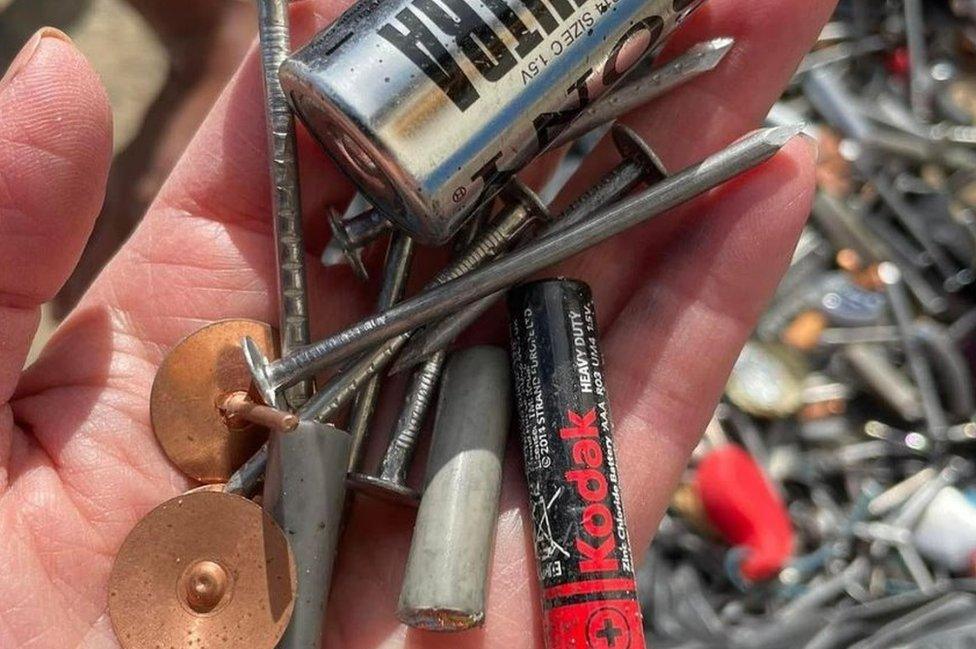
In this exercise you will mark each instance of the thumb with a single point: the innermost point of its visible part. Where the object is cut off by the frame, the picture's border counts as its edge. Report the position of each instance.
(55, 151)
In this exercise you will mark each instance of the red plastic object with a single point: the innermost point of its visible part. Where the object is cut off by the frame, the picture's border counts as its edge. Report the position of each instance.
(898, 62)
(743, 506)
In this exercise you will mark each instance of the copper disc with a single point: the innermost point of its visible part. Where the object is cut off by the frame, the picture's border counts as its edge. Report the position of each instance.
(206, 569)
(204, 367)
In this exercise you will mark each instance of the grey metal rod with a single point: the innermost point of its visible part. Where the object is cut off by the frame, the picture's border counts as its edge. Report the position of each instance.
(446, 575)
(304, 491)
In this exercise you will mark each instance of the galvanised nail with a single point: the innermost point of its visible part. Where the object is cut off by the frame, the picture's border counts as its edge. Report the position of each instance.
(390, 482)
(948, 361)
(748, 152)
(917, 225)
(351, 234)
(639, 165)
(395, 274)
(853, 335)
(286, 208)
(523, 209)
(827, 93)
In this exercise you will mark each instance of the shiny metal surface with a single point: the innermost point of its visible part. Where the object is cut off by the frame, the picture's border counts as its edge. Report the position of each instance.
(554, 245)
(286, 207)
(431, 108)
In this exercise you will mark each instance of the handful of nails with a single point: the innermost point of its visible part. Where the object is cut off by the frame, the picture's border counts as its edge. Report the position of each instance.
(413, 110)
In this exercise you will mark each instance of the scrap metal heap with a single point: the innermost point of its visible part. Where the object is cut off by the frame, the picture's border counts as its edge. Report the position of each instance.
(832, 502)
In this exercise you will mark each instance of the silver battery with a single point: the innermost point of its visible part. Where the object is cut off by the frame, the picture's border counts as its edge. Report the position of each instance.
(430, 106)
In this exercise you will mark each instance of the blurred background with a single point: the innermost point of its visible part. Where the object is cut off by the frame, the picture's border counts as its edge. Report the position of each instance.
(176, 56)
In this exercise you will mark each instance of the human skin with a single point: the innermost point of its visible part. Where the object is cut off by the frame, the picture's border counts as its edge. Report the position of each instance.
(78, 462)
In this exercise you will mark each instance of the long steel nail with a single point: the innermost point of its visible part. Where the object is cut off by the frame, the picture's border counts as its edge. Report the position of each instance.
(246, 479)
(554, 246)
(639, 165)
(392, 477)
(920, 79)
(286, 207)
(845, 228)
(523, 209)
(395, 274)
(637, 90)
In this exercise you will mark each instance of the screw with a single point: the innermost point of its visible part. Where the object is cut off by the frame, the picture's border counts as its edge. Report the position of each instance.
(286, 210)
(523, 208)
(550, 248)
(391, 481)
(350, 234)
(639, 164)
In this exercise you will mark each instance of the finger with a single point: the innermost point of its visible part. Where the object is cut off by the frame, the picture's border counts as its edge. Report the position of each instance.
(55, 149)
(686, 310)
(672, 346)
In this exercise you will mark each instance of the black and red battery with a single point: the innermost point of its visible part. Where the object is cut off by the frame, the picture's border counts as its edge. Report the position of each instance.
(743, 506)
(585, 567)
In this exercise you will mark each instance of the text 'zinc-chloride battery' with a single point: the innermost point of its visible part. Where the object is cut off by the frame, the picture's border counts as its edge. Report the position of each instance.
(582, 551)
(430, 106)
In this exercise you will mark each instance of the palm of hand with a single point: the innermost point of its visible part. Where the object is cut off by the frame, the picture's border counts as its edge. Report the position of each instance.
(78, 461)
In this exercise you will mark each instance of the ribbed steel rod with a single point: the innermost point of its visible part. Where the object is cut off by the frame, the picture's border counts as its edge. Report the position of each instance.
(286, 209)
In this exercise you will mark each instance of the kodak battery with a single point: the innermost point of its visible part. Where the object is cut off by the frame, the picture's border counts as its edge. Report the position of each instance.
(589, 594)
(430, 106)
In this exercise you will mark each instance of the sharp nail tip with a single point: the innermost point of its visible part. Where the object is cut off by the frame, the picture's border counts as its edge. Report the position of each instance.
(780, 135)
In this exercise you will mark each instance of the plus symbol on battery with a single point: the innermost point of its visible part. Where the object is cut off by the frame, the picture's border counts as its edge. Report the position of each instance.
(609, 632)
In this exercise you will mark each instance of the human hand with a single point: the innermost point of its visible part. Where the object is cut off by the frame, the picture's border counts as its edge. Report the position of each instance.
(78, 461)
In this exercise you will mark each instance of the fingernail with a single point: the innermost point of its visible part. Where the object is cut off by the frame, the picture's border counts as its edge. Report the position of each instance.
(27, 52)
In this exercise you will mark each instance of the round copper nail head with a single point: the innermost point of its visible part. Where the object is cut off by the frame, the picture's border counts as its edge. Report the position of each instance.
(205, 569)
(201, 371)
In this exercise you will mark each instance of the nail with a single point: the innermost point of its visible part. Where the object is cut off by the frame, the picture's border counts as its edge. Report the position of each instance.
(639, 165)
(286, 209)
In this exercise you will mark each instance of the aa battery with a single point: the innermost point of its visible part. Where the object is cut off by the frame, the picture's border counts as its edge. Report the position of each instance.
(431, 106)
(589, 594)
(304, 491)
(450, 556)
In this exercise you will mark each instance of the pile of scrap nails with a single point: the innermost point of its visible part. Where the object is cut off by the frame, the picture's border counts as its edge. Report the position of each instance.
(832, 501)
